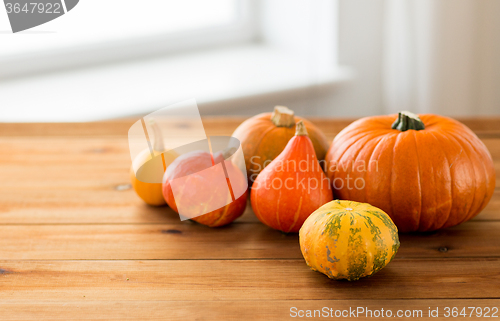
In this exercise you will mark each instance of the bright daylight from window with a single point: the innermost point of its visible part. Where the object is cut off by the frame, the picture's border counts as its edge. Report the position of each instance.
(131, 19)
(134, 57)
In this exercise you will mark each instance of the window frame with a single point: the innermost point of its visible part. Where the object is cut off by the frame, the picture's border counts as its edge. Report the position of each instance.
(244, 30)
(292, 60)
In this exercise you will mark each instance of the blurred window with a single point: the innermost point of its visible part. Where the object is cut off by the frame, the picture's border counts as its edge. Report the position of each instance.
(115, 58)
(138, 29)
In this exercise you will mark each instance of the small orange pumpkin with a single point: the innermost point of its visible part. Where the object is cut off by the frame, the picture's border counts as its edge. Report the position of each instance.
(292, 186)
(264, 136)
(427, 172)
(188, 165)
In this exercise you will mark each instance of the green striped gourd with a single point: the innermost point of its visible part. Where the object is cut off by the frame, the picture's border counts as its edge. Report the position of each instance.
(348, 240)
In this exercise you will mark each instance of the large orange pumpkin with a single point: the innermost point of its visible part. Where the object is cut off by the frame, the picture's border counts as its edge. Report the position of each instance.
(264, 136)
(427, 172)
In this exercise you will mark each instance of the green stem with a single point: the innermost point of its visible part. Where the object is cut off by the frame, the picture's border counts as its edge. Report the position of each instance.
(407, 120)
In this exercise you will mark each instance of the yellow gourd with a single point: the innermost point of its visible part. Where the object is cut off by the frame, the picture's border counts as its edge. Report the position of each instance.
(151, 193)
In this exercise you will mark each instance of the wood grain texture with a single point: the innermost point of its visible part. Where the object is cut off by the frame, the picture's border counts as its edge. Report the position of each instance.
(30, 209)
(202, 280)
(492, 211)
(213, 126)
(193, 241)
(231, 310)
(77, 243)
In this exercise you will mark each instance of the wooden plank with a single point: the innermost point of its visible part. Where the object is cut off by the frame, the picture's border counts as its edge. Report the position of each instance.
(104, 149)
(493, 145)
(85, 180)
(180, 241)
(236, 241)
(481, 125)
(238, 310)
(492, 211)
(65, 197)
(121, 207)
(214, 280)
(213, 125)
(103, 128)
(74, 210)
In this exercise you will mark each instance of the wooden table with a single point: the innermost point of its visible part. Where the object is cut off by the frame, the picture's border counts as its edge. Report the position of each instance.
(77, 243)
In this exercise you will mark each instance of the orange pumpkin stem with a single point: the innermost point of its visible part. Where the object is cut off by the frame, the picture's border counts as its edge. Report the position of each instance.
(283, 117)
(408, 120)
(300, 129)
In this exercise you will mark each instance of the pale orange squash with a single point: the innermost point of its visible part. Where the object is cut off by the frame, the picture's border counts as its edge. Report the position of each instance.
(263, 138)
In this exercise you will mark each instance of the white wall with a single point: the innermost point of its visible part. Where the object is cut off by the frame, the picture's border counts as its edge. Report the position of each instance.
(489, 57)
(360, 47)
(427, 56)
(442, 56)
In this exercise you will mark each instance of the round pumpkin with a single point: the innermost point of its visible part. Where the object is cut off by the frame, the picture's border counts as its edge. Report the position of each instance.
(426, 171)
(348, 240)
(264, 136)
(193, 166)
(287, 191)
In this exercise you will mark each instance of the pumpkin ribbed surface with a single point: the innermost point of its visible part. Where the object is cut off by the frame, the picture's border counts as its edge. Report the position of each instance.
(348, 240)
(435, 176)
